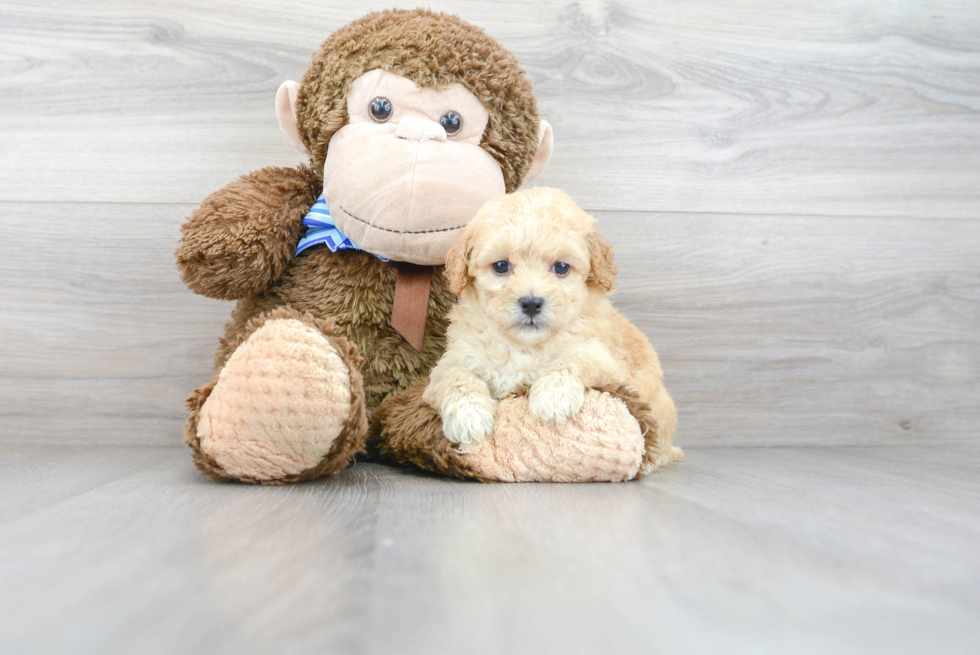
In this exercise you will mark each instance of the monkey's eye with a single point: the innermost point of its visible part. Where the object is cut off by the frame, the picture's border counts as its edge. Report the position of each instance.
(381, 109)
(501, 267)
(561, 269)
(451, 121)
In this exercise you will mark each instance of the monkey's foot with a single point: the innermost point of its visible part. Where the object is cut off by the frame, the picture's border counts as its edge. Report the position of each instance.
(288, 405)
(603, 443)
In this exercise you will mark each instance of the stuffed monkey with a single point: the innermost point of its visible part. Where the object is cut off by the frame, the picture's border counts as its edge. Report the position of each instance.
(411, 121)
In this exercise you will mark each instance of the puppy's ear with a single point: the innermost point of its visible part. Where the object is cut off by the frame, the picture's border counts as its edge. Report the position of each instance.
(456, 268)
(604, 270)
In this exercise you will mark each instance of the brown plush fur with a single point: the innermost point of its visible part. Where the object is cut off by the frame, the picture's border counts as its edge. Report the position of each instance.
(431, 49)
(405, 430)
(355, 290)
(240, 243)
(242, 237)
(222, 255)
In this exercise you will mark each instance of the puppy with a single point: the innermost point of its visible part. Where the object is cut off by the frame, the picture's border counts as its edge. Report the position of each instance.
(532, 275)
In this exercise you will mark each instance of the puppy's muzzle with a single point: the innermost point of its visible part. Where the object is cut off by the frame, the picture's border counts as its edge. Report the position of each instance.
(531, 305)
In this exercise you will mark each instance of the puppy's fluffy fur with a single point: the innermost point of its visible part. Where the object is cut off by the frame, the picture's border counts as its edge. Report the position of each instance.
(575, 341)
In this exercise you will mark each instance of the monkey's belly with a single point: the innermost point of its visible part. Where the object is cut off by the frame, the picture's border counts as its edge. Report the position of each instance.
(354, 289)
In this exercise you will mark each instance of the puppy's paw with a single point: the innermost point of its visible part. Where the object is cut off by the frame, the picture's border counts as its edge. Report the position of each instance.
(469, 420)
(556, 397)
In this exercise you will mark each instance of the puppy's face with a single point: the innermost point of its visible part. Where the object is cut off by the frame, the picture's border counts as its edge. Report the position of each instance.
(533, 259)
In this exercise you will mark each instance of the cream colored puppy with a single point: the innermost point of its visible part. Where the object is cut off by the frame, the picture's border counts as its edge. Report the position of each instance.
(532, 274)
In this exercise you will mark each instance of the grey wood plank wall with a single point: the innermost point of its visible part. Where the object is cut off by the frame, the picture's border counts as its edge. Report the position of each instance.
(793, 190)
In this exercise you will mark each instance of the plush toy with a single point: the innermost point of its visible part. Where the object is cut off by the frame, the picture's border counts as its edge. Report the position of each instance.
(412, 120)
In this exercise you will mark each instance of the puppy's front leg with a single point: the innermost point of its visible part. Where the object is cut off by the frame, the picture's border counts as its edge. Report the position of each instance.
(560, 391)
(557, 396)
(465, 404)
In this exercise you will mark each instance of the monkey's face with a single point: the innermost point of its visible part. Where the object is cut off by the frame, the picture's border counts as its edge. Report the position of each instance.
(407, 173)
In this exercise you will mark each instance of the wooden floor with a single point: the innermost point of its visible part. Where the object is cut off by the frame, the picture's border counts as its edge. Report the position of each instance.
(744, 550)
(793, 192)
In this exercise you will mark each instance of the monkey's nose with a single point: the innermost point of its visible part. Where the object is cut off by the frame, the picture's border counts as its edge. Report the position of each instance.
(419, 129)
(531, 305)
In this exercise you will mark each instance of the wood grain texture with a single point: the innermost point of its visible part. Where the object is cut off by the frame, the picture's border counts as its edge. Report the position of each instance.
(816, 330)
(772, 330)
(789, 550)
(832, 108)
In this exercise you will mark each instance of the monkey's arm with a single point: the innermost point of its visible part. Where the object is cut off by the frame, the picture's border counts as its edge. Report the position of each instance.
(241, 237)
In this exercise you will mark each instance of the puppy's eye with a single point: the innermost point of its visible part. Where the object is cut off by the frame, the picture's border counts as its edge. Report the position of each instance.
(501, 267)
(452, 122)
(381, 109)
(561, 269)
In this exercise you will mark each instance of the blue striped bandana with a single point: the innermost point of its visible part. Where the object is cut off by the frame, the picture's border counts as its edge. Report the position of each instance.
(320, 228)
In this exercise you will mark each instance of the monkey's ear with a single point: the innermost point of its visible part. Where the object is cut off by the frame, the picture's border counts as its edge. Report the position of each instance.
(546, 143)
(286, 112)
(456, 268)
(603, 268)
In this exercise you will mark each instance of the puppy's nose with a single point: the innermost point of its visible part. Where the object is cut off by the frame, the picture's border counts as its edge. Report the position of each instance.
(531, 305)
